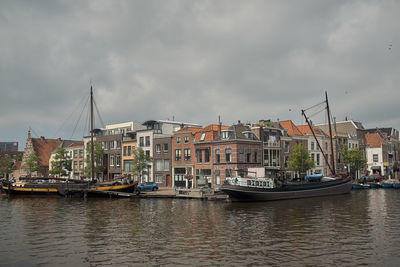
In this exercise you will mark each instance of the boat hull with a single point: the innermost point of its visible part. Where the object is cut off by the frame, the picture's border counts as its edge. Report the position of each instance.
(242, 193)
(64, 189)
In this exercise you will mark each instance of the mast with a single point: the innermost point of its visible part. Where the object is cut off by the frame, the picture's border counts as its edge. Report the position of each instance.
(319, 145)
(91, 132)
(330, 134)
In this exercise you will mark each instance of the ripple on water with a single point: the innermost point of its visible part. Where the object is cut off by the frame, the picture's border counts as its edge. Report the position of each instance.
(350, 230)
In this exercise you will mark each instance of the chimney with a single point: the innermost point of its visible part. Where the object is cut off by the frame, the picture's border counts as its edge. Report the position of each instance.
(219, 126)
(42, 137)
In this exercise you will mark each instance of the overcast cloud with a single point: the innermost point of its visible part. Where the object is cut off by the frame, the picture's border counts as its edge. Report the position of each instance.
(195, 60)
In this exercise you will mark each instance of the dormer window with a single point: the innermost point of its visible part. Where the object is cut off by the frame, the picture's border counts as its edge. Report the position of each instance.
(226, 134)
(248, 135)
(203, 135)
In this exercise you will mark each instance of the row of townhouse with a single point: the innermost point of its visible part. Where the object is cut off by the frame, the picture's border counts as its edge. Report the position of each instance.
(189, 155)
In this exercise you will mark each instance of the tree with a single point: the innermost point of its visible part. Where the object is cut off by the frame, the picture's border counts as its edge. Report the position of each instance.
(300, 160)
(140, 163)
(354, 158)
(6, 165)
(31, 164)
(98, 160)
(62, 163)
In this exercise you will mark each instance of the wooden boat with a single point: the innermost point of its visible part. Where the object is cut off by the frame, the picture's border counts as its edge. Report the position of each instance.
(264, 189)
(357, 186)
(34, 187)
(374, 185)
(63, 186)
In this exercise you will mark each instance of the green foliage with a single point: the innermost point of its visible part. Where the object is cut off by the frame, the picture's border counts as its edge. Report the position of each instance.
(354, 158)
(300, 160)
(31, 164)
(140, 163)
(6, 165)
(98, 160)
(62, 163)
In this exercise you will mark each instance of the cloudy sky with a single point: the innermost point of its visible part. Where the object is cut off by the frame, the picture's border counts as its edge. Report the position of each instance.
(195, 60)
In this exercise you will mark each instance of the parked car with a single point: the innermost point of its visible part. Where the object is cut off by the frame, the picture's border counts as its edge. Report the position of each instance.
(149, 186)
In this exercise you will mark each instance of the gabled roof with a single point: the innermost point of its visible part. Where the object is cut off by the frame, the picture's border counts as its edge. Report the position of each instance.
(373, 140)
(210, 133)
(43, 148)
(76, 144)
(290, 127)
(305, 129)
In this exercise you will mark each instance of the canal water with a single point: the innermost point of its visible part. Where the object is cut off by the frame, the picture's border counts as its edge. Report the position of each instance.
(361, 228)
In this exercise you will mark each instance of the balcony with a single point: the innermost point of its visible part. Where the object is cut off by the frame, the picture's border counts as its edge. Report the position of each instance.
(272, 144)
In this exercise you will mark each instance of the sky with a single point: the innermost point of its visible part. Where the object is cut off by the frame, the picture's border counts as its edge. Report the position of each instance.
(193, 61)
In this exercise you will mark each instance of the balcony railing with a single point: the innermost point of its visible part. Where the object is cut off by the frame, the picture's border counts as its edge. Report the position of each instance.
(272, 144)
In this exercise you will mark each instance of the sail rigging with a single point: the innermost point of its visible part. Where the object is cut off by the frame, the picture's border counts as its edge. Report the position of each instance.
(303, 112)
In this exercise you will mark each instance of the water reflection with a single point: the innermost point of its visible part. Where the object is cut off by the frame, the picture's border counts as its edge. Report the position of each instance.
(349, 230)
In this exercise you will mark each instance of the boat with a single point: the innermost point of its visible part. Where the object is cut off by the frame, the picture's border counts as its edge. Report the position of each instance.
(374, 185)
(357, 186)
(264, 189)
(64, 186)
(61, 186)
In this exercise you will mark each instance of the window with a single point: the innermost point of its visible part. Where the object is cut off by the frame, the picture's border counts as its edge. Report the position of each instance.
(118, 144)
(287, 147)
(248, 156)
(75, 165)
(186, 139)
(128, 165)
(81, 153)
(199, 155)
(159, 179)
(118, 160)
(228, 173)
(375, 158)
(178, 139)
(255, 157)
(178, 154)
(105, 147)
(141, 141)
(203, 135)
(161, 165)
(217, 177)
(312, 145)
(158, 148)
(226, 134)
(241, 155)
(206, 155)
(318, 160)
(125, 150)
(81, 165)
(186, 154)
(165, 148)
(228, 153)
(129, 150)
(217, 156)
(148, 153)
(111, 144)
(147, 140)
(75, 153)
(111, 160)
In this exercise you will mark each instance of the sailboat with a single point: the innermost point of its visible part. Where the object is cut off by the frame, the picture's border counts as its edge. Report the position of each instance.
(264, 189)
(62, 186)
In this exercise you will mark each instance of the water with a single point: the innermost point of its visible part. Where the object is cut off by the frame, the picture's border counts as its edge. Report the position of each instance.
(361, 228)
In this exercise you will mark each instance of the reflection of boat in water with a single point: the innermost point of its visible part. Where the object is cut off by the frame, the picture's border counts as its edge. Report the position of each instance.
(262, 189)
